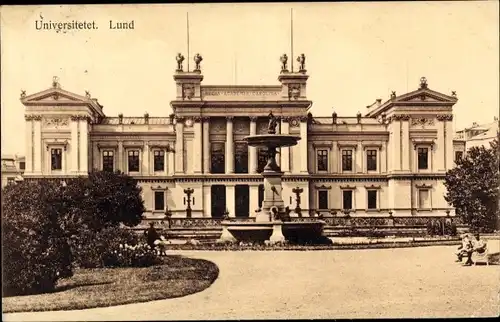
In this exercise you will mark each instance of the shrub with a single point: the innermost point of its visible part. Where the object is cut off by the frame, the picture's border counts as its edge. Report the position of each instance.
(90, 248)
(139, 255)
(35, 250)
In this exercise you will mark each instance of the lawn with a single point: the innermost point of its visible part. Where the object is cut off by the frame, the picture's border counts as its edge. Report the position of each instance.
(89, 288)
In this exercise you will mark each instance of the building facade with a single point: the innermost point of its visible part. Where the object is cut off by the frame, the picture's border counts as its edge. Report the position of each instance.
(12, 169)
(391, 160)
(477, 135)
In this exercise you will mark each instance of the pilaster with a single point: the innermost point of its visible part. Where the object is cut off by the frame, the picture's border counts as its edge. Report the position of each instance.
(197, 146)
(303, 146)
(230, 200)
(207, 201)
(120, 166)
(146, 164)
(334, 158)
(359, 158)
(285, 152)
(37, 144)
(252, 151)
(405, 144)
(229, 146)
(179, 145)
(254, 199)
(84, 145)
(206, 145)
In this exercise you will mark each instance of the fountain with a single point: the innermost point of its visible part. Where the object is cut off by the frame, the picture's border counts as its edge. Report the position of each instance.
(272, 222)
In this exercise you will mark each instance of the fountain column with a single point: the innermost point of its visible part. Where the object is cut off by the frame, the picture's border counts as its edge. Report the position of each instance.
(229, 146)
(252, 151)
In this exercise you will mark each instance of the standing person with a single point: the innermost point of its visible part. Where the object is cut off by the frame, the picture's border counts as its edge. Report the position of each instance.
(479, 246)
(151, 235)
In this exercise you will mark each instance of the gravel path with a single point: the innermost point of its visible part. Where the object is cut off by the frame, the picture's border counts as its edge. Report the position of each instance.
(393, 283)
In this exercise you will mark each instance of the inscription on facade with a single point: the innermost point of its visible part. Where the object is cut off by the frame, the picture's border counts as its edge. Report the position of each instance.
(238, 93)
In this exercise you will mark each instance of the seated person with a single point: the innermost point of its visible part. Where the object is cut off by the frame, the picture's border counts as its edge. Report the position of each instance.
(464, 247)
(479, 246)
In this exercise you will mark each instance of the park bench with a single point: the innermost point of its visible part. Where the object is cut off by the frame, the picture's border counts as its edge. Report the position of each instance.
(482, 257)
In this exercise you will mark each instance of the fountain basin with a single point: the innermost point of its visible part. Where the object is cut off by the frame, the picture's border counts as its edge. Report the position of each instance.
(272, 140)
(250, 231)
(294, 232)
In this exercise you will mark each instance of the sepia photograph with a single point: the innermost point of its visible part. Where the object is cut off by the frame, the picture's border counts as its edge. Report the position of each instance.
(244, 161)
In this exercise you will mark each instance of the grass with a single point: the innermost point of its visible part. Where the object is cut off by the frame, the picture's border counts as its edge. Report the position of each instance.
(89, 288)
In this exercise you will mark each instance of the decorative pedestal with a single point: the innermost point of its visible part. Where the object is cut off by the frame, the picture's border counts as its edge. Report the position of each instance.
(277, 235)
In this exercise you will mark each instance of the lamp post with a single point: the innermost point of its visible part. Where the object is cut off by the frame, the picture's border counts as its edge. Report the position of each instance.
(297, 192)
(188, 192)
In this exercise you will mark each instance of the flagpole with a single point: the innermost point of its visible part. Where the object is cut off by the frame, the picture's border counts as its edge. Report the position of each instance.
(291, 38)
(187, 22)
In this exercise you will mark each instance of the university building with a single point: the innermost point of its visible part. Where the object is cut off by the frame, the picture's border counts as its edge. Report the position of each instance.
(391, 159)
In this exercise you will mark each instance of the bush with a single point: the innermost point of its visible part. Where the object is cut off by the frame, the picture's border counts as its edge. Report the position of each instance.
(102, 249)
(140, 255)
(35, 250)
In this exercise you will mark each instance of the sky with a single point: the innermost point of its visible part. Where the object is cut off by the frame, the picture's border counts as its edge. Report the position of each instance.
(355, 53)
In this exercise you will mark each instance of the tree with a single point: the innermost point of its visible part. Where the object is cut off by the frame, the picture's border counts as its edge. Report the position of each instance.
(35, 249)
(473, 187)
(104, 199)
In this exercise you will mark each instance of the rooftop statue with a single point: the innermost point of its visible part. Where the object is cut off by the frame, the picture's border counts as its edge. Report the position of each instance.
(197, 61)
(273, 122)
(284, 61)
(180, 59)
(302, 61)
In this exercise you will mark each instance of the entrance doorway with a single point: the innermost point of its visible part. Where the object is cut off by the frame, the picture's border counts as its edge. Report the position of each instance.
(242, 202)
(218, 200)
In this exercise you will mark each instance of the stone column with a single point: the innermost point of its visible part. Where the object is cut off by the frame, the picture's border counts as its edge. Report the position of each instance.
(254, 199)
(37, 143)
(206, 145)
(406, 145)
(29, 144)
(359, 158)
(285, 152)
(74, 145)
(448, 141)
(207, 201)
(303, 145)
(197, 146)
(84, 145)
(121, 164)
(171, 163)
(383, 158)
(334, 168)
(252, 151)
(146, 164)
(229, 146)
(230, 200)
(179, 145)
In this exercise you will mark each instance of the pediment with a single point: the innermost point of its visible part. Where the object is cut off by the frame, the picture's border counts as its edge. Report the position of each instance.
(425, 95)
(55, 96)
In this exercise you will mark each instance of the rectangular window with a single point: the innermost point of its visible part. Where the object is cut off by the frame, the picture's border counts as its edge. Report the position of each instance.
(261, 195)
(133, 161)
(159, 160)
(371, 160)
(372, 199)
(346, 160)
(423, 199)
(261, 159)
(423, 158)
(458, 155)
(218, 158)
(108, 161)
(241, 158)
(159, 200)
(347, 199)
(22, 165)
(56, 159)
(322, 199)
(322, 160)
